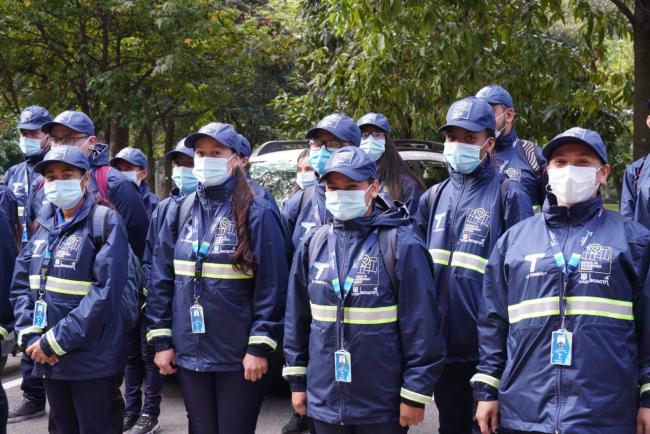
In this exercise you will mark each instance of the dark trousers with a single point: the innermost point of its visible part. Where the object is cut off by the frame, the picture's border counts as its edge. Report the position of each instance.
(140, 369)
(454, 399)
(81, 406)
(32, 386)
(382, 428)
(4, 410)
(222, 402)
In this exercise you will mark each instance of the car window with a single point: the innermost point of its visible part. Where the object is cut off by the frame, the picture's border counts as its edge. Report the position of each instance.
(431, 172)
(278, 177)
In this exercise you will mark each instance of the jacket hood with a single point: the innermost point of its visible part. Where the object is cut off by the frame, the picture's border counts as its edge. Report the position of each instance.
(482, 174)
(383, 214)
(99, 155)
(506, 140)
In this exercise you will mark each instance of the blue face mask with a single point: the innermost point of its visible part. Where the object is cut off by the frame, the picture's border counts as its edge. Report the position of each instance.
(29, 146)
(462, 157)
(211, 171)
(318, 159)
(373, 146)
(346, 204)
(65, 194)
(184, 179)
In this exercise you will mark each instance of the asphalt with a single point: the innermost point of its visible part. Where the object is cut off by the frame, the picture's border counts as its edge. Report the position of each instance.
(275, 410)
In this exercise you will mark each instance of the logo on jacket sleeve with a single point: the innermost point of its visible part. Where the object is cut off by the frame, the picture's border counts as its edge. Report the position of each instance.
(476, 226)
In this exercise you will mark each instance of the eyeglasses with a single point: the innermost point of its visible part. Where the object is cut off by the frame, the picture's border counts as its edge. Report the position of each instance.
(53, 141)
(375, 134)
(330, 145)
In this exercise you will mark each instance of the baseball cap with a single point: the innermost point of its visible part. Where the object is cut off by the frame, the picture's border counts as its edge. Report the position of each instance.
(71, 155)
(495, 94)
(222, 133)
(583, 136)
(353, 163)
(340, 126)
(471, 113)
(376, 119)
(33, 118)
(78, 121)
(132, 156)
(179, 149)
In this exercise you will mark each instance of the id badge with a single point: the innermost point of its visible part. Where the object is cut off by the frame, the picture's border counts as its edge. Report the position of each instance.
(561, 347)
(343, 366)
(40, 314)
(198, 322)
(23, 237)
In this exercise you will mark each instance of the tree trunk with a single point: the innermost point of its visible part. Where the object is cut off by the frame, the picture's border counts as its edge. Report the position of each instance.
(119, 136)
(641, 31)
(153, 167)
(168, 125)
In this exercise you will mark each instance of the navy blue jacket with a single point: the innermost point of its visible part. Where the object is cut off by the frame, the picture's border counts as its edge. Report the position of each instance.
(607, 310)
(8, 252)
(291, 209)
(83, 290)
(243, 311)
(312, 215)
(410, 191)
(635, 194)
(149, 199)
(460, 231)
(510, 159)
(391, 333)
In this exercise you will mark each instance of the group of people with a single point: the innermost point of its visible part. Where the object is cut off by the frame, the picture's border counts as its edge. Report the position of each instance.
(507, 293)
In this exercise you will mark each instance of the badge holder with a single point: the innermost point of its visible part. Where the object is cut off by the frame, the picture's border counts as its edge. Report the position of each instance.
(40, 314)
(343, 366)
(561, 347)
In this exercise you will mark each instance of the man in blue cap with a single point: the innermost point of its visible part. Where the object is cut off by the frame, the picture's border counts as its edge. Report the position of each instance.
(21, 180)
(563, 327)
(635, 194)
(519, 159)
(460, 221)
(134, 165)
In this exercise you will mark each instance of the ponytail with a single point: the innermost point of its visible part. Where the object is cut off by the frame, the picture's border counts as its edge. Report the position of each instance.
(242, 199)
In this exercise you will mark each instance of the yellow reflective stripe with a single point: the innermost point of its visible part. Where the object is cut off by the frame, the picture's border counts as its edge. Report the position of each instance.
(157, 333)
(145, 291)
(253, 340)
(413, 396)
(210, 270)
(294, 370)
(53, 343)
(34, 281)
(469, 261)
(323, 313)
(645, 388)
(28, 331)
(21, 211)
(537, 208)
(355, 315)
(597, 306)
(65, 286)
(487, 379)
(4, 333)
(534, 308)
(440, 256)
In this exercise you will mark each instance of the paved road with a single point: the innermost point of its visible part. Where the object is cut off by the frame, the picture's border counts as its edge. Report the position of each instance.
(275, 411)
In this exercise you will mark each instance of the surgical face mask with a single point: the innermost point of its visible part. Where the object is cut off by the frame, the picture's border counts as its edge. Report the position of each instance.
(184, 179)
(572, 184)
(497, 132)
(373, 146)
(29, 146)
(318, 159)
(346, 204)
(306, 179)
(211, 171)
(133, 176)
(65, 194)
(463, 157)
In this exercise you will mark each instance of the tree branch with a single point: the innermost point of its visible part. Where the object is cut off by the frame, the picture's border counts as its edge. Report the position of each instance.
(625, 10)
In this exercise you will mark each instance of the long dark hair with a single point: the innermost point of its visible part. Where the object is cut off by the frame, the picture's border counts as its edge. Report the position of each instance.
(242, 199)
(391, 166)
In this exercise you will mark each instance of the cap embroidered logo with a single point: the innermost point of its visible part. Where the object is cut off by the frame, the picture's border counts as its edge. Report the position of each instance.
(461, 110)
(331, 121)
(64, 117)
(342, 159)
(577, 132)
(26, 116)
(484, 92)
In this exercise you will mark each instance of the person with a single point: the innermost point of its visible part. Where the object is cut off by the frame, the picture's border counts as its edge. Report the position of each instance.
(635, 193)
(217, 258)
(386, 365)
(564, 332)
(9, 237)
(133, 164)
(460, 221)
(305, 181)
(398, 180)
(332, 132)
(20, 178)
(66, 291)
(258, 189)
(521, 160)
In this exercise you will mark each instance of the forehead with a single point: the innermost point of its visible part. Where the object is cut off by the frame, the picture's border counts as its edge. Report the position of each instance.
(57, 167)
(324, 135)
(209, 142)
(338, 178)
(458, 131)
(574, 150)
(63, 131)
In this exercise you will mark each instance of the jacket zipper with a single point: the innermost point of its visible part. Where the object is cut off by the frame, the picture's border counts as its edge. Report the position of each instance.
(341, 302)
(564, 282)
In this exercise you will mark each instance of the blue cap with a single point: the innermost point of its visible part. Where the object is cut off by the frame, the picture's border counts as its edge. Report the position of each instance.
(353, 163)
(472, 114)
(33, 118)
(180, 149)
(495, 94)
(246, 146)
(583, 136)
(340, 126)
(78, 121)
(71, 155)
(132, 156)
(222, 133)
(376, 119)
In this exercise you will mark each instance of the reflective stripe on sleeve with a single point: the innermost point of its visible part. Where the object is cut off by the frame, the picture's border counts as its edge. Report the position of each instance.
(21, 211)
(440, 256)
(487, 379)
(49, 335)
(4, 333)
(158, 333)
(469, 261)
(288, 371)
(65, 286)
(28, 331)
(253, 340)
(598, 306)
(34, 281)
(413, 396)
(355, 315)
(534, 308)
(645, 388)
(210, 270)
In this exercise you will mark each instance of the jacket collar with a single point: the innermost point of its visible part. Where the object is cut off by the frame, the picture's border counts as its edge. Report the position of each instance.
(505, 141)
(99, 156)
(483, 172)
(33, 160)
(51, 222)
(210, 196)
(577, 214)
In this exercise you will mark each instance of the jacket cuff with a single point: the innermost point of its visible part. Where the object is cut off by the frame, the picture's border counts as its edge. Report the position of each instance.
(259, 350)
(45, 346)
(485, 392)
(162, 344)
(645, 396)
(298, 383)
(412, 403)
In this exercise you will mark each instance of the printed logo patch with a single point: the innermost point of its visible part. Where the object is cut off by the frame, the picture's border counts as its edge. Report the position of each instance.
(331, 121)
(342, 159)
(596, 259)
(476, 227)
(26, 116)
(577, 132)
(461, 110)
(64, 117)
(67, 253)
(366, 282)
(512, 173)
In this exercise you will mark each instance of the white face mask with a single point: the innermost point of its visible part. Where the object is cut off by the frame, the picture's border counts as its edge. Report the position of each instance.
(306, 179)
(133, 176)
(572, 184)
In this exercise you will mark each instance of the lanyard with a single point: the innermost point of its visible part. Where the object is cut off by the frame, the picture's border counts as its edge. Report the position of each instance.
(204, 239)
(574, 260)
(54, 239)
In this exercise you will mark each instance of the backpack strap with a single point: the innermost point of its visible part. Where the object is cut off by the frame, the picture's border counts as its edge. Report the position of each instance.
(184, 213)
(529, 149)
(318, 238)
(388, 249)
(101, 180)
(99, 225)
(307, 194)
(637, 174)
(434, 192)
